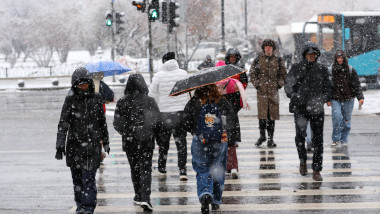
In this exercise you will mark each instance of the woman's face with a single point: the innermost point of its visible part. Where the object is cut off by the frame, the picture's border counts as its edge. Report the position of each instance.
(339, 59)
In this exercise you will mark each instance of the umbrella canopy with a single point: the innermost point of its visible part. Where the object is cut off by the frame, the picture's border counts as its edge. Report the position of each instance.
(109, 68)
(205, 77)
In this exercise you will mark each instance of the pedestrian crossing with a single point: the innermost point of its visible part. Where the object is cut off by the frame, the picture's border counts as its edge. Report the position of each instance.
(269, 180)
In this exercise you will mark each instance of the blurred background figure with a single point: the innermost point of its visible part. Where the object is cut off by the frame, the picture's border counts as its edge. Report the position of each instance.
(207, 63)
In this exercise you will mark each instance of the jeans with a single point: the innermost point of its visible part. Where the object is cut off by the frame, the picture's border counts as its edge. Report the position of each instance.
(84, 189)
(341, 119)
(172, 124)
(209, 162)
(140, 162)
(301, 119)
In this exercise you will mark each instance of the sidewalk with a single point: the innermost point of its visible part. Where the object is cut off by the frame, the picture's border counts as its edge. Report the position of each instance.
(371, 102)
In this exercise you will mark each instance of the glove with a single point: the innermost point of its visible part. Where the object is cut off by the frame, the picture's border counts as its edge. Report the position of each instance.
(59, 154)
(106, 148)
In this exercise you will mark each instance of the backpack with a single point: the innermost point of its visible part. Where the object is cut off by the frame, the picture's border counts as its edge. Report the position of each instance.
(143, 123)
(210, 125)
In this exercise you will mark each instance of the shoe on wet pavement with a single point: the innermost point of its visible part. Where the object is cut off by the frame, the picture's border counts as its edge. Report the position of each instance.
(317, 176)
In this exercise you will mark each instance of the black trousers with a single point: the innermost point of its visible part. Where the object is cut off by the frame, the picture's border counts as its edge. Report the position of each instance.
(84, 189)
(140, 162)
(172, 124)
(301, 118)
(267, 124)
(234, 100)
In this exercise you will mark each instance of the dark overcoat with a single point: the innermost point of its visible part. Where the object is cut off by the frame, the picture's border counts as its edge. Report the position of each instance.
(267, 75)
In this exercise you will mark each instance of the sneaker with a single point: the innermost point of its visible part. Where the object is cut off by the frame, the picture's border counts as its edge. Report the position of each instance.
(147, 206)
(334, 143)
(235, 174)
(183, 177)
(136, 200)
(158, 171)
(343, 143)
(205, 201)
(215, 207)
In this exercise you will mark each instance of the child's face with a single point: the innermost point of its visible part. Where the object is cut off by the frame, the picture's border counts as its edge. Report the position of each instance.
(83, 87)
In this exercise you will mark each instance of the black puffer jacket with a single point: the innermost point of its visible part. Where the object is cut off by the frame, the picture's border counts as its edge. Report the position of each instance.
(136, 112)
(193, 109)
(308, 85)
(83, 123)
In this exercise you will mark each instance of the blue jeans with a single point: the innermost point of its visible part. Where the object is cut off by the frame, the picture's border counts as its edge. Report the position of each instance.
(84, 189)
(209, 162)
(341, 119)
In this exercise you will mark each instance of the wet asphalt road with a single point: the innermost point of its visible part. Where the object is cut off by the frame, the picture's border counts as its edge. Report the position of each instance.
(32, 181)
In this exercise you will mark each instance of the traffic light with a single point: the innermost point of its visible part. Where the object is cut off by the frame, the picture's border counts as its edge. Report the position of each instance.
(173, 16)
(118, 21)
(164, 12)
(140, 5)
(154, 9)
(109, 18)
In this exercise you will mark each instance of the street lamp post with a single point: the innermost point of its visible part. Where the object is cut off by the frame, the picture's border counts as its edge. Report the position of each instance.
(223, 48)
(113, 38)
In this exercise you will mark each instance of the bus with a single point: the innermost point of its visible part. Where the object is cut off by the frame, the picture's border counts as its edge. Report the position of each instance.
(358, 34)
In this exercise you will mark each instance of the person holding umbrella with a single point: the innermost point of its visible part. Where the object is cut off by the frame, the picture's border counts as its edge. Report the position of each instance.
(209, 159)
(81, 129)
(210, 118)
(171, 113)
(136, 119)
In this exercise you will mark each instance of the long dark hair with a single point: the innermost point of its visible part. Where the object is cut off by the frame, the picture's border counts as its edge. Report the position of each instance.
(208, 92)
(344, 65)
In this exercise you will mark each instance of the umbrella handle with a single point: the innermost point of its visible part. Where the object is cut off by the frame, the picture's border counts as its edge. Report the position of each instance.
(190, 94)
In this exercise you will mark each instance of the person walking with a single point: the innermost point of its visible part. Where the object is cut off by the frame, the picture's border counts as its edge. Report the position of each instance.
(206, 64)
(268, 73)
(308, 86)
(233, 57)
(171, 109)
(81, 129)
(209, 159)
(346, 88)
(136, 119)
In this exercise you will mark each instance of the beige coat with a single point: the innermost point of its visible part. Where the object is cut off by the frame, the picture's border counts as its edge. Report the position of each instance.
(268, 75)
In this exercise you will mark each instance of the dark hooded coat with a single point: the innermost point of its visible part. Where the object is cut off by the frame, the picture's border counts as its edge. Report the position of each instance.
(83, 124)
(136, 112)
(308, 85)
(268, 74)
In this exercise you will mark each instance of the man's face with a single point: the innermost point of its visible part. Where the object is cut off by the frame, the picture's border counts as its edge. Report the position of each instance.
(311, 57)
(268, 50)
(83, 87)
(232, 59)
(339, 59)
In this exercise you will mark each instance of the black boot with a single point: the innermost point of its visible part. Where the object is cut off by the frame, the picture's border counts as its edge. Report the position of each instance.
(205, 201)
(271, 143)
(261, 139)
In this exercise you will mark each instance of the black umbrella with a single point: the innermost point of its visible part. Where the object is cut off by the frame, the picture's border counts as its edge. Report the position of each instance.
(205, 77)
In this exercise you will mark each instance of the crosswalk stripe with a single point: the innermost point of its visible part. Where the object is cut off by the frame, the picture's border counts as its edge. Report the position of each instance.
(250, 163)
(244, 207)
(249, 193)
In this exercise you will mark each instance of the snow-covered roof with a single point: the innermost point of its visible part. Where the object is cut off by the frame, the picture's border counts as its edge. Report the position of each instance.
(297, 27)
(361, 13)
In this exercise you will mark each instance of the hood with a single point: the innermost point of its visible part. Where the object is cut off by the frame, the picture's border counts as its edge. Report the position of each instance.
(170, 65)
(82, 75)
(232, 51)
(220, 63)
(136, 85)
(310, 45)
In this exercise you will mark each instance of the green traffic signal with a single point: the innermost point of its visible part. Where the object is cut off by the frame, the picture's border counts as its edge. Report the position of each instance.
(154, 14)
(109, 22)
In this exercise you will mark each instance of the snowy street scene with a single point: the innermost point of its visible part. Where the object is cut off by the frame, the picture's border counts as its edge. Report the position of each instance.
(203, 106)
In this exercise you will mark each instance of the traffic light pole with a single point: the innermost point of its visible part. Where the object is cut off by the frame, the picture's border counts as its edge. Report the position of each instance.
(113, 39)
(223, 48)
(150, 48)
